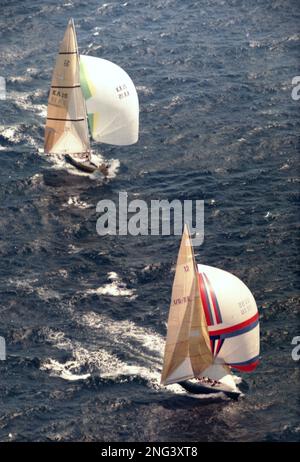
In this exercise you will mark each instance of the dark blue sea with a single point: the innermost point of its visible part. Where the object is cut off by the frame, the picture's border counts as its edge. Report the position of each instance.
(83, 316)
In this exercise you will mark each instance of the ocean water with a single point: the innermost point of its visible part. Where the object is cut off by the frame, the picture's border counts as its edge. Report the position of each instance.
(83, 316)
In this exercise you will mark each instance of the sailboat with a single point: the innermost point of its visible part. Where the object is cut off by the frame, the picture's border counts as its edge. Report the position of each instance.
(213, 327)
(88, 93)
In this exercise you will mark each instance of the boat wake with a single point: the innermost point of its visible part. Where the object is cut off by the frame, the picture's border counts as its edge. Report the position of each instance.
(58, 162)
(92, 358)
(103, 364)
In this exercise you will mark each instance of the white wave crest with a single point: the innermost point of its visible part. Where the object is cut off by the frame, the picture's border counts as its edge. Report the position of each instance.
(76, 202)
(116, 288)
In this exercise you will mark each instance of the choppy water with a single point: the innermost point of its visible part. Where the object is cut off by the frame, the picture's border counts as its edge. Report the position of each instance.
(83, 316)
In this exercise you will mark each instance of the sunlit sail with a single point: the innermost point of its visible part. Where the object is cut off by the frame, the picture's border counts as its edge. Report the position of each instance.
(187, 351)
(88, 89)
(213, 324)
(66, 127)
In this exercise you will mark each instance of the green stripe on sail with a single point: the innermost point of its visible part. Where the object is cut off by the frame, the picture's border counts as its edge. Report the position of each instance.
(91, 122)
(84, 82)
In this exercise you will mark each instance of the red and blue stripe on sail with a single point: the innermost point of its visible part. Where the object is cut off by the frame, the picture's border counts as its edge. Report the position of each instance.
(205, 301)
(246, 366)
(210, 306)
(214, 300)
(235, 330)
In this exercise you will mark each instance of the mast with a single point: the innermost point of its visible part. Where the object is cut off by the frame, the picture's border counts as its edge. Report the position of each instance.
(187, 351)
(66, 127)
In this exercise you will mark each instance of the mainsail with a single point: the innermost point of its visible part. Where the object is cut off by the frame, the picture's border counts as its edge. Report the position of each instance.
(111, 100)
(66, 128)
(187, 351)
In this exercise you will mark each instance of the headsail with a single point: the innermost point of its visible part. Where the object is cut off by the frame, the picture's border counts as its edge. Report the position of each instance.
(112, 101)
(222, 374)
(187, 351)
(66, 128)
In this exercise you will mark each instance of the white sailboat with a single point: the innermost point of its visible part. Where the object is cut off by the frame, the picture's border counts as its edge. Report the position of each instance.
(212, 327)
(88, 91)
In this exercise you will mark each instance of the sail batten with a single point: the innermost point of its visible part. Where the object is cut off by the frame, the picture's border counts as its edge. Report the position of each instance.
(66, 127)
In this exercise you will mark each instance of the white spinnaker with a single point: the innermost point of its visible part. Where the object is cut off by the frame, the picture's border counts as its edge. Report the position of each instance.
(237, 308)
(111, 100)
